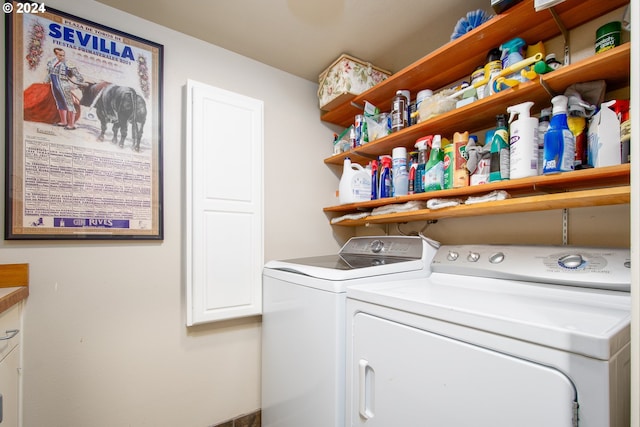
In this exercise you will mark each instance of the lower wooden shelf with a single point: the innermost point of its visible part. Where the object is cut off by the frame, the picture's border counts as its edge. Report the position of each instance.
(574, 199)
(589, 187)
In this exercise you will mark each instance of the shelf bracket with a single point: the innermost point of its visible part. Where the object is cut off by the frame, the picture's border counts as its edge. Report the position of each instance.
(546, 87)
(565, 226)
(565, 35)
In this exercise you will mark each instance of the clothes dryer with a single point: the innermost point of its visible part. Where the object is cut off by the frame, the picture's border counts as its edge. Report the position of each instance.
(496, 336)
(303, 324)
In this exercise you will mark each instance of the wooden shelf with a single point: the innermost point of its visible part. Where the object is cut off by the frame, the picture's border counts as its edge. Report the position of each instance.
(612, 66)
(604, 177)
(574, 199)
(454, 61)
(457, 59)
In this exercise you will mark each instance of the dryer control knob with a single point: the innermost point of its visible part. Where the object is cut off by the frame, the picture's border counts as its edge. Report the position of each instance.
(452, 256)
(571, 261)
(473, 257)
(496, 258)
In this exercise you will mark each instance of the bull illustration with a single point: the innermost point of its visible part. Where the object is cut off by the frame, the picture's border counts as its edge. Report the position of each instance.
(118, 105)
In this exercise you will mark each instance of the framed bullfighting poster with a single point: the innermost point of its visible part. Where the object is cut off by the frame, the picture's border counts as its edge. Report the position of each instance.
(83, 129)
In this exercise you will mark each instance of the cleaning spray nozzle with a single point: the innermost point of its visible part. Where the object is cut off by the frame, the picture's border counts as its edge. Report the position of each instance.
(523, 110)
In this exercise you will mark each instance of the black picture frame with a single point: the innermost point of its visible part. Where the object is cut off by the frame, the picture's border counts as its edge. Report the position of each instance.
(73, 170)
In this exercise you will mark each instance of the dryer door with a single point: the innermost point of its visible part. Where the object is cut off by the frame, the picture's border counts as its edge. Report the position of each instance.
(407, 376)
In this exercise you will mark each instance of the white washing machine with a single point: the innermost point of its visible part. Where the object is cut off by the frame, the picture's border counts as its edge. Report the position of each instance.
(303, 324)
(497, 336)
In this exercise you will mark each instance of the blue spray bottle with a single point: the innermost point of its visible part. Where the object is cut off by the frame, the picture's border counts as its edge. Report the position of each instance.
(374, 179)
(386, 185)
(559, 141)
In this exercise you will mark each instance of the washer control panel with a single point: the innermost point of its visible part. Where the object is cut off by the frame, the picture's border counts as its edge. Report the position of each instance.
(409, 247)
(601, 268)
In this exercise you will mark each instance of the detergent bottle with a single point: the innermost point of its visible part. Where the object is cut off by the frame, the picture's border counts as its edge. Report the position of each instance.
(386, 183)
(355, 183)
(499, 164)
(559, 141)
(523, 141)
(422, 145)
(512, 53)
(434, 169)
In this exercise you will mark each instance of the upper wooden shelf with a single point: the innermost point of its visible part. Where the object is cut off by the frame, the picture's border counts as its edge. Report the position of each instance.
(611, 66)
(457, 59)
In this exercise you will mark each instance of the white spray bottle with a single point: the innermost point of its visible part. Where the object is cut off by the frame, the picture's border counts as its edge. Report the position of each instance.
(523, 141)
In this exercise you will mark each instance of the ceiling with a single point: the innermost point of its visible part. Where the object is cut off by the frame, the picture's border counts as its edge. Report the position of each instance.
(303, 37)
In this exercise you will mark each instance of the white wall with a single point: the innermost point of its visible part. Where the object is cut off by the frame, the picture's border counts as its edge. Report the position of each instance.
(105, 341)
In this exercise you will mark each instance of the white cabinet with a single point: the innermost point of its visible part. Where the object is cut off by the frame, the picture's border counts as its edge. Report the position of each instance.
(224, 207)
(10, 366)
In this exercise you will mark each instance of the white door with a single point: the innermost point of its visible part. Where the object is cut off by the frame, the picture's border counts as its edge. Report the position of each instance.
(224, 207)
(403, 376)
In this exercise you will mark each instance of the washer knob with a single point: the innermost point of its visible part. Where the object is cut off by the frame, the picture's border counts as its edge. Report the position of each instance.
(473, 257)
(452, 256)
(496, 258)
(377, 246)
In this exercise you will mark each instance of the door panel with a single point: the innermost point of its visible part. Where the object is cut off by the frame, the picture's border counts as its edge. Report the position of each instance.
(406, 376)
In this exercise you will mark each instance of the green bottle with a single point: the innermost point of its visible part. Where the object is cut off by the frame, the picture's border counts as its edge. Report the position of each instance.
(499, 164)
(434, 169)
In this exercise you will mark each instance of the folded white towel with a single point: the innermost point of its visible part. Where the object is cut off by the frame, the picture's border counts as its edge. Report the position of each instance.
(442, 203)
(413, 205)
(349, 216)
(494, 195)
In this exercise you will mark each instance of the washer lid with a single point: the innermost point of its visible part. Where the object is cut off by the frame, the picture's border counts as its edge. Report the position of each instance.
(338, 267)
(364, 257)
(590, 322)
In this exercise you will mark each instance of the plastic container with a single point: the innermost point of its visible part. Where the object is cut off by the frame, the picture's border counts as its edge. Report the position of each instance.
(523, 141)
(399, 110)
(355, 183)
(608, 36)
(559, 142)
(499, 166)
(434, 169)
(400, 172)
(455, 161)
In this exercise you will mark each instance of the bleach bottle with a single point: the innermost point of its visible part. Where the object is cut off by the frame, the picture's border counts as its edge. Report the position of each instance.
(355, 183)
(434, 169)
(559, 141)
(523, 141)
(499, 164)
